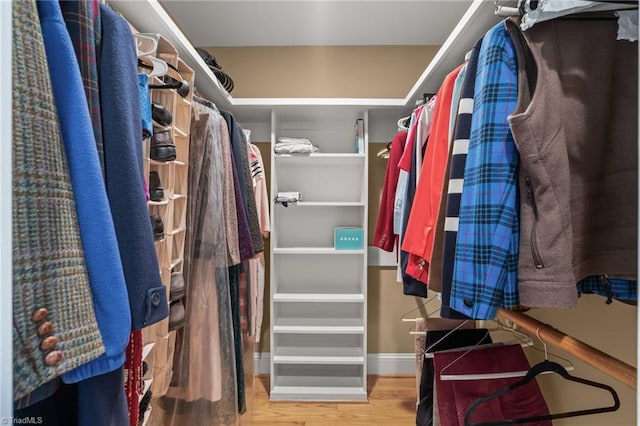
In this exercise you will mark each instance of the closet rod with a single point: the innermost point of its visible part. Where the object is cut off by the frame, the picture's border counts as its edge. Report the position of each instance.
(611, 366)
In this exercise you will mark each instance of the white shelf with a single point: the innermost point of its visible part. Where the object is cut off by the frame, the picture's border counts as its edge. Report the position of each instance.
(314, 382)
(318, 393)
(320, 159)
(150, 16)
(146, 350)
(318, 297)
(340, 360)
(327, 204)
(324, 354)
(319, 325)
(314, 250)
(147, 386)
(158, 203)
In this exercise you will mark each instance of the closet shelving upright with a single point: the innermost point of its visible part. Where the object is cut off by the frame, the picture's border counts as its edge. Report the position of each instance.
(318, 293)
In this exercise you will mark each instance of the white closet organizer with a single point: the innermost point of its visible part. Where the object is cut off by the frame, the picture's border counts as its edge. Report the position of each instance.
(318, 293)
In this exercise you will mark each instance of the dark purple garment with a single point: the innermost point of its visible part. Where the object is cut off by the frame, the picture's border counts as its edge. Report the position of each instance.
(456, 396)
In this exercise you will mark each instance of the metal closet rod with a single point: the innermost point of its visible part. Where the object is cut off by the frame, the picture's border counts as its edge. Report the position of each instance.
(611, 366)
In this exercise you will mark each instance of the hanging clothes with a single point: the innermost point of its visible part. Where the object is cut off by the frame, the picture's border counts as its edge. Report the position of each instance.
(455, 185)
(257, 265)
(420, 230)
(94, 215)
(84, 23)
(49, 269)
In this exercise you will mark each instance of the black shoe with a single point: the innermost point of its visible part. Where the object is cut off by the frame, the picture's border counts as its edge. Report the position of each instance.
(158, 227)
(177, 287)
(177, 315)
(161, 115)
(162, 146)
(156, 193)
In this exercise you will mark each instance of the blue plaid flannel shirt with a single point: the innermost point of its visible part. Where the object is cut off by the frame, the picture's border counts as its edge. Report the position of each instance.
(486, 259)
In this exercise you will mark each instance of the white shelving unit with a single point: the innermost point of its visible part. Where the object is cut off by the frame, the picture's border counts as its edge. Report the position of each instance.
(318, 293)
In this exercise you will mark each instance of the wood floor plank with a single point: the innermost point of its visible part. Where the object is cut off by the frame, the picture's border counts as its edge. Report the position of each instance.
(392, 402)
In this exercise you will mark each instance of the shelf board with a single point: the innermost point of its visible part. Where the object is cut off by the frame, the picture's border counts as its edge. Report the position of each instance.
(178, 196)
(316, 393)
(158, 203)
(179, 163)
(314, 250)
(175, 263)
(321, 160)
(302, 359)
(328, 204)
(180, 132)
(318, 355)
(317, 297)
(159, 163)
(146, 350)
(319, 155)
(177, 231)
(319, 325)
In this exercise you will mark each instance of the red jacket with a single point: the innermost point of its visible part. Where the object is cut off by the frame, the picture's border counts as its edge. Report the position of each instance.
(384, 237)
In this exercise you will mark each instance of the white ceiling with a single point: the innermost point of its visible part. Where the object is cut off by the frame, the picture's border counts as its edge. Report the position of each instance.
(217, 23)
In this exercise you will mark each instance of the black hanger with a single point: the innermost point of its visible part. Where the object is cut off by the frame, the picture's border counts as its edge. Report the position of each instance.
(544, 366)
(172, 80)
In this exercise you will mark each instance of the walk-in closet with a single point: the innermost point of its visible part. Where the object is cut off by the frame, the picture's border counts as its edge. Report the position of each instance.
(319, 212)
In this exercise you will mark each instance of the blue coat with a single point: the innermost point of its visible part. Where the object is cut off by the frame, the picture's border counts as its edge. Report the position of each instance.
(97, 232)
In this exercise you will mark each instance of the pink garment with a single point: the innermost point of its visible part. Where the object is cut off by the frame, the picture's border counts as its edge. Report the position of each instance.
(256, 265)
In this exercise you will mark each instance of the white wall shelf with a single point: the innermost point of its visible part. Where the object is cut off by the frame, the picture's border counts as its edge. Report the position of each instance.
(318, 297)
(314, 250)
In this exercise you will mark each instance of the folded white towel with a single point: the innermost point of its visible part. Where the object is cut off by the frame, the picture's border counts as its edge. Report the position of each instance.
(293, 141)
(294, 149)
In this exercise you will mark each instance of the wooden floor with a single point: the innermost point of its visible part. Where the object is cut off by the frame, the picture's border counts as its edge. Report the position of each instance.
(392, 402)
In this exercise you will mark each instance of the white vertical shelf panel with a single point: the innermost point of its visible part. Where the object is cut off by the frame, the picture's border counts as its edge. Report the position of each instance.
(274, 232)
(6, 262)
(318, 293)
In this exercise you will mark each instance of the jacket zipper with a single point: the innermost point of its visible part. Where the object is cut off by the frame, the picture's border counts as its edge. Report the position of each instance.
(537, 259)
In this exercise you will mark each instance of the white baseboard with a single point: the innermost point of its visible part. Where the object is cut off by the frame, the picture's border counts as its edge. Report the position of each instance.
(384, 364)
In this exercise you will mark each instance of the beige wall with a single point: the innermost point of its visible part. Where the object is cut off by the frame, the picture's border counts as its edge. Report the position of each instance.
(323, 72)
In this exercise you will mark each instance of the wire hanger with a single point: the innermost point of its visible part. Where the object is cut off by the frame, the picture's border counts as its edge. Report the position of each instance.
(540, 368)
(505, 374)
(419, 307)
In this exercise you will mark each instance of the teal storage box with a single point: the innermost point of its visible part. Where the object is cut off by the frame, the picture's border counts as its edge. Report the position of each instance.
(348, 238)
